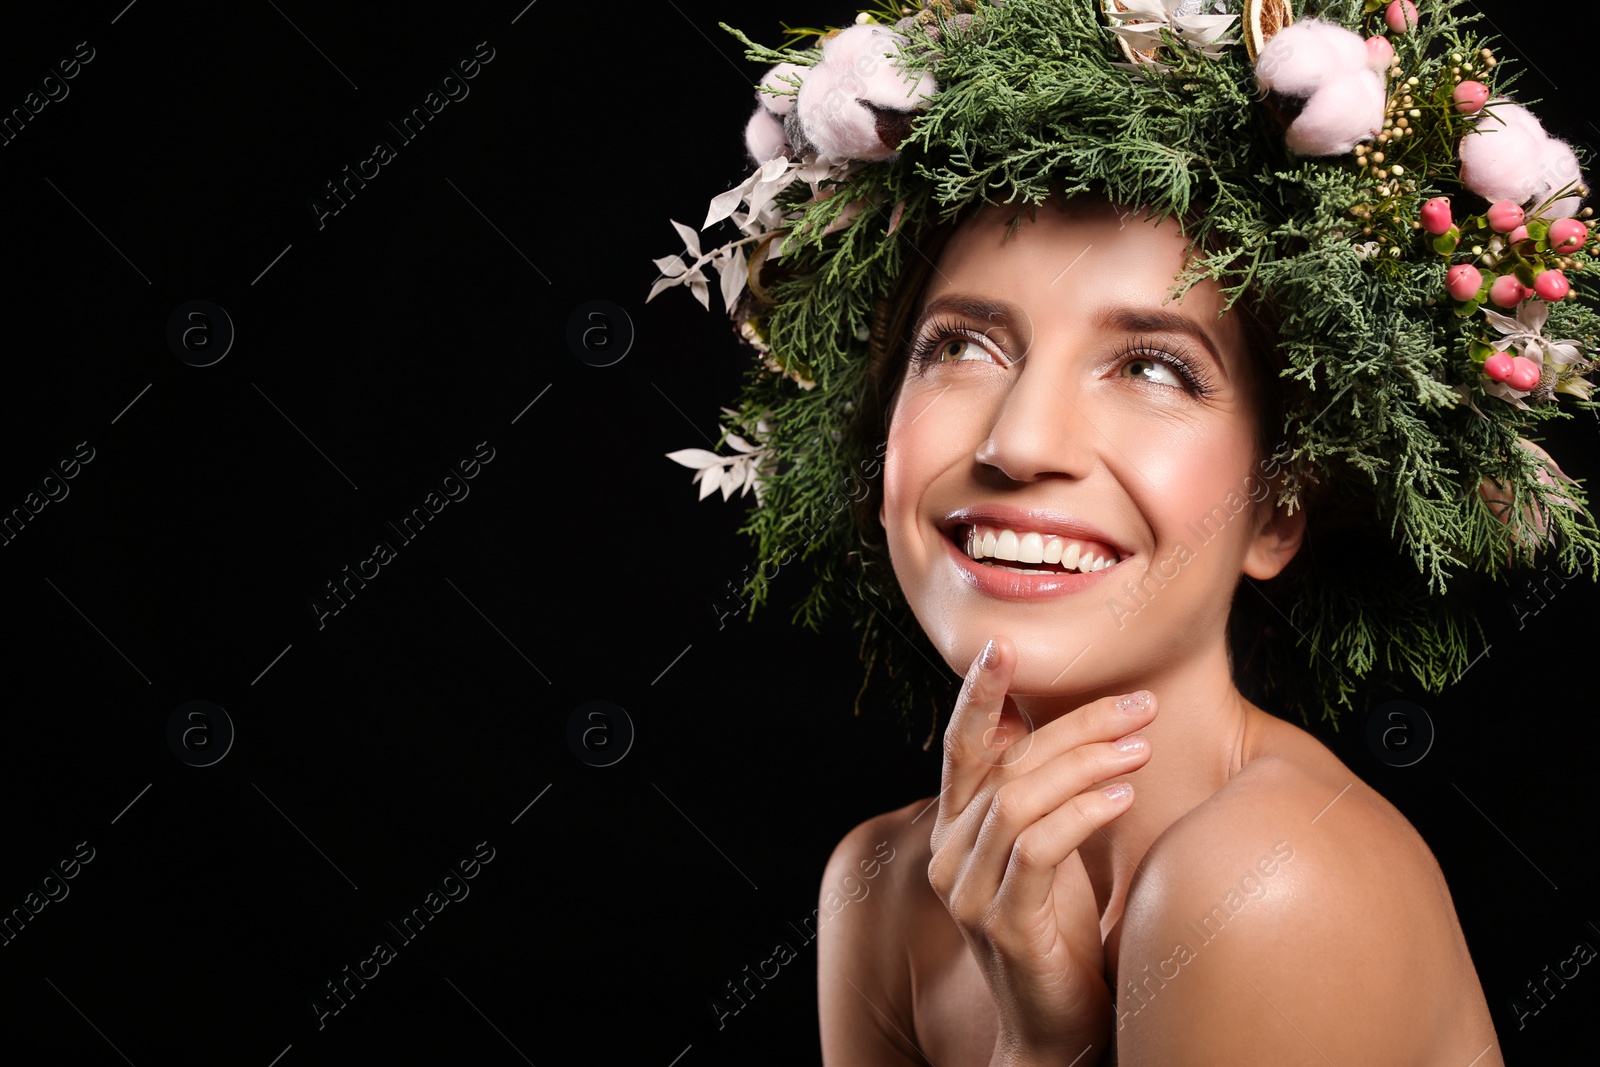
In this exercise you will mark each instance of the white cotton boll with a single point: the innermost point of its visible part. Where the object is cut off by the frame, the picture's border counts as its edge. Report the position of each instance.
(763, 136)
(1306, 54)
(1509, 156)
(1346, 109)
(778, 78)
(1498, 159)
(857, 70)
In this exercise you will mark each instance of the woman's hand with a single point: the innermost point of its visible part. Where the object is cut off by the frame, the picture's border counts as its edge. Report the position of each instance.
(1012, 813)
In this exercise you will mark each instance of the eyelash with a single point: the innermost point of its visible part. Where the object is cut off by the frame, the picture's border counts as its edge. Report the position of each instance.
(926, 348)
(1197, 382)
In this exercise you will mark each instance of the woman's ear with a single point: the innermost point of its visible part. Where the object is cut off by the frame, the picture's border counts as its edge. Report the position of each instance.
(1278, 536)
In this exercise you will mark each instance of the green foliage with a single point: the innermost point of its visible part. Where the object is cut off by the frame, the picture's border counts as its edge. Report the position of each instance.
(1385, 425)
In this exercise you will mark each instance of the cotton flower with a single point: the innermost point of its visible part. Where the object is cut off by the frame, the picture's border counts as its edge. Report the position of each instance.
(1327, 66)
(763, 136)
(857, 102)
(1509, 156)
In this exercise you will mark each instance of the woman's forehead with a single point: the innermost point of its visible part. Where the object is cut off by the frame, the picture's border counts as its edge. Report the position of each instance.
(1085, 250)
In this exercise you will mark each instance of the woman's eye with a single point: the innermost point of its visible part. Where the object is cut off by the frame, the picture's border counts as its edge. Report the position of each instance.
(957, 349)
(1152, 370)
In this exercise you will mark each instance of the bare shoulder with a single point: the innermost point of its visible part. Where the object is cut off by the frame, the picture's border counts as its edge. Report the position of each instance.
(864, 906)
(1292, 916)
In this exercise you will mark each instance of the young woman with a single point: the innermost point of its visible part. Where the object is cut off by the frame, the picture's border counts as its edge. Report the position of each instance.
(1124, 852)
(1146, 379)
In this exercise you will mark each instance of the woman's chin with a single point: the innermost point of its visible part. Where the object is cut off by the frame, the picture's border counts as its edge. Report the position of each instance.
(1049, 664)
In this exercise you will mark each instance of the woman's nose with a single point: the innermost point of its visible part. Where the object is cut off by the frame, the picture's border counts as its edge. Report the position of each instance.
(1042, 425)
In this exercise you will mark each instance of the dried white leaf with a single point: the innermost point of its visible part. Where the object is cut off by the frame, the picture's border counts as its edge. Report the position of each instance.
(695, 457)
(735, 272)
(723, 204)
(711, 482)
(661, 283)
(691, 239)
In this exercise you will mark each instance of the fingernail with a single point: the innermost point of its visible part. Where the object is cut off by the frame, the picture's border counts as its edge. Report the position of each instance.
(989, 657)
(1131, 743)
(1134, 703)
(1120, 791)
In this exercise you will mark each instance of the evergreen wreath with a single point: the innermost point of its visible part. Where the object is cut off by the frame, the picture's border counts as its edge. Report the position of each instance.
(1320, 170)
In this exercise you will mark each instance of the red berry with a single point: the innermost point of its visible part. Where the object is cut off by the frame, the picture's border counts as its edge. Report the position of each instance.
(1436, 215)
(1470, 97)
(1518, 235)
(1524, 374)
(1507, 292)
(1552, 285)
(1505, 216)
(1463, 281)
(1498, 366)
(1401, 15)
(1567, 235)
(1380, 53)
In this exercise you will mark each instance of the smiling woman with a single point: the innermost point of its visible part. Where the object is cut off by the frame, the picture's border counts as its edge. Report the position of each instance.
(1057, 430)
(1138, 318)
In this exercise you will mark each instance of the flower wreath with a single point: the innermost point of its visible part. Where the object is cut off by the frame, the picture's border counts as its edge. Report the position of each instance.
(1419, 236)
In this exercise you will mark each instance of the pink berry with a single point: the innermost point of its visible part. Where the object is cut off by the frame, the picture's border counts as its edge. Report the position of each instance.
(1470, 97)
(1401, 15)
(1551, 285)
(1380, 53)
(1518, 235)
(1507, 292)
(1464, 280)
(1524, 373)
(1498, 366)
(1505, 216)
(1567, 235)
(1436, 215)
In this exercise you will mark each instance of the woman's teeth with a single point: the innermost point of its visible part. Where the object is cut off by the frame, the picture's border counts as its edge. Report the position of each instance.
(995, 543)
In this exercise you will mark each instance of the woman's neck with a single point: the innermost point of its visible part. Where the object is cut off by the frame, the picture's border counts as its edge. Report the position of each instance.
(1204, 732)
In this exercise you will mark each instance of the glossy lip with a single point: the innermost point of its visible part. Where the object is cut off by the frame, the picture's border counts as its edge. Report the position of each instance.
(1012, 585)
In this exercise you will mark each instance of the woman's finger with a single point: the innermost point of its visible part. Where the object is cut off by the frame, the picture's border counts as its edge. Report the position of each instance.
(1046, 844)
(977, 711)
(1019, 807)
(1105, 719)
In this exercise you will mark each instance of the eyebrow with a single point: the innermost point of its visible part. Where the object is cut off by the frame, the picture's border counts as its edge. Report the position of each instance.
(1002, 312)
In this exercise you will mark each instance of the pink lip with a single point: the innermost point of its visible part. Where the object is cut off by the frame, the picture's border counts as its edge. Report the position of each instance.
(1012, 585)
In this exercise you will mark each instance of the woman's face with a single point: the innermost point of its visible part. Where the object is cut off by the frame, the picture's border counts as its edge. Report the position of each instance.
(1053, 392)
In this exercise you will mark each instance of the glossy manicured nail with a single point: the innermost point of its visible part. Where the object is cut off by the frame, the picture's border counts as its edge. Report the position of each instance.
(989, 657)
(1134, 703)
(1120, 791)
(1131, 743)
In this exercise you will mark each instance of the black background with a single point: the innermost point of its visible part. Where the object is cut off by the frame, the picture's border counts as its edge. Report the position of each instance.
(371, 355)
